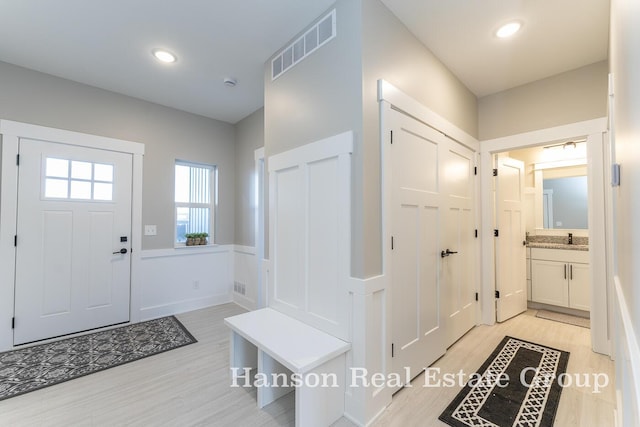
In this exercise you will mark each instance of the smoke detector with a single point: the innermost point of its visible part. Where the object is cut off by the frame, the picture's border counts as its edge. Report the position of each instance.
(230, 82)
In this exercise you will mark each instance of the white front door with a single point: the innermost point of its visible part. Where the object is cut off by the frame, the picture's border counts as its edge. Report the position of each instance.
(458, 268)
(511, 255)
(74, 219)
(418, 207)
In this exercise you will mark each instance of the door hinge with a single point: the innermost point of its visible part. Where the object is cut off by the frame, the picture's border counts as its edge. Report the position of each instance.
(391, 136)
(497, 294)
(15, 240)
(496, 232)
(391, 242)
(17, 159)
(476, 296)
(495, 172)
(475, 170)
(13, 323)
(476, 233)
(391, 349)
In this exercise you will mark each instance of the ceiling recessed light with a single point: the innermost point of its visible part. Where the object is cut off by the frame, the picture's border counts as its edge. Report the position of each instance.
(164, 56)
(507, 30)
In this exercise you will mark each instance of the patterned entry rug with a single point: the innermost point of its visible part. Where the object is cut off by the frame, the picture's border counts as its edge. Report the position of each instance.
(506, 393)
(33, 368)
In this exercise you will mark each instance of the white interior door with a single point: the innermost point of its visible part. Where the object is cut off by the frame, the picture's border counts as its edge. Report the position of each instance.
(418, 200)
(511, 274)
(74, 218)
(458, 268)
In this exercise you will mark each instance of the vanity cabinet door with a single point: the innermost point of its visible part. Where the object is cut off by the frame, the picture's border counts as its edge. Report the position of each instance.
(579, 290)
(549, 282)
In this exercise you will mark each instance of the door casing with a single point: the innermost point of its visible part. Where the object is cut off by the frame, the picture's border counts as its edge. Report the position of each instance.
(11, 132)
(594, 131)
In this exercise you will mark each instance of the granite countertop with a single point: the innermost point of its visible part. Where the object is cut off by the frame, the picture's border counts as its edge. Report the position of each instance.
(558, 242)
(558, 246)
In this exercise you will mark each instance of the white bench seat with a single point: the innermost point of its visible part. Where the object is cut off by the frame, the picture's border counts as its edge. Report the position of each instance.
(274, 343)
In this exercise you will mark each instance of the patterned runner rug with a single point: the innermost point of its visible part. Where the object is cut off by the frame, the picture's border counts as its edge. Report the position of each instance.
(43, 365)
(509, 394)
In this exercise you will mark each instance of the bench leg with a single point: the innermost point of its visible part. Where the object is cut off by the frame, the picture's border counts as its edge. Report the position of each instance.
(272, 370)
(242, 355)
(317, 405)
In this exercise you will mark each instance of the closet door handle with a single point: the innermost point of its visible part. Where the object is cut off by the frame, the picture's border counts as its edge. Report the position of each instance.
(565, 271)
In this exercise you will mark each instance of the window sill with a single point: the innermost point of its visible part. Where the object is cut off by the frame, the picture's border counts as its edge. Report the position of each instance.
(210, 245)
(186, 251)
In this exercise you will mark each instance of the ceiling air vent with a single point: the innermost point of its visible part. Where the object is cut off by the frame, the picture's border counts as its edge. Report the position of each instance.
(314, 38)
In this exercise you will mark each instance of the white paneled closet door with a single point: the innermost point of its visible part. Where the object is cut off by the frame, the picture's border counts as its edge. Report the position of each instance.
(433, 250)
(418, 206)
(458, 272)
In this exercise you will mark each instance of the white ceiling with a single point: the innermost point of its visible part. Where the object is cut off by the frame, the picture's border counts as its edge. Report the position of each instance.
(556, 36)
(108, 43)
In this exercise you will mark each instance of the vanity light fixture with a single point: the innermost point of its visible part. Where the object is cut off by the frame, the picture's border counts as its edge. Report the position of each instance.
(508, 29)
(571, 145)
(163, 55)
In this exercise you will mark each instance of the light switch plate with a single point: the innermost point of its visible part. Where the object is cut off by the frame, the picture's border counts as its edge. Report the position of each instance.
(150, 230)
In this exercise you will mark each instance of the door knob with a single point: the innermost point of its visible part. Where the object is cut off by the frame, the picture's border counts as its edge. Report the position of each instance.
(447, 253)
(121, 251)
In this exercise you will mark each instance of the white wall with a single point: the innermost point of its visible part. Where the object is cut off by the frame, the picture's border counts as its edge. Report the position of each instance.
(624, 53)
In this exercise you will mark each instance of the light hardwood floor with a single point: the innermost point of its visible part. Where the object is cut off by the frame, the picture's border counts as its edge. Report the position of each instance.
(189, 386)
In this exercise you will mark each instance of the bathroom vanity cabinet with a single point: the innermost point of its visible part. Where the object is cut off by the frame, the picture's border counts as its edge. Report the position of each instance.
(560, 277)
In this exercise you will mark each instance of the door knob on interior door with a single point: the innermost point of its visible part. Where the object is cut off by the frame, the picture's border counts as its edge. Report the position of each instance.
(121, 251)
(447, 253)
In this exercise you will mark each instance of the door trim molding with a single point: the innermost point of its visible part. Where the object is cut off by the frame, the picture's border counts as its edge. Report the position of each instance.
(593, 130)
(10, 133)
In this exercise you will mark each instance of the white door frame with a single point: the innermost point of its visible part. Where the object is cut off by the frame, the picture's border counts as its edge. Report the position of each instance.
(11, 132)
(593, 130)
(260, 169)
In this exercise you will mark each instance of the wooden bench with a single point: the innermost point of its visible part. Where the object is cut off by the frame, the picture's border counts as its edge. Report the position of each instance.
(284, 351)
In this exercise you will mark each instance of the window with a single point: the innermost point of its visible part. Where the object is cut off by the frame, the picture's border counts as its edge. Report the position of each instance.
(195, 189)
(77, 180)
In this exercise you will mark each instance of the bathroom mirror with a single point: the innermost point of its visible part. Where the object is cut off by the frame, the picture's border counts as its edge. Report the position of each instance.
(561, 195)
(564, 202)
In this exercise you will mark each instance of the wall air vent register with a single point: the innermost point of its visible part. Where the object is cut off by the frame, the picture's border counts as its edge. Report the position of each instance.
(314, 38)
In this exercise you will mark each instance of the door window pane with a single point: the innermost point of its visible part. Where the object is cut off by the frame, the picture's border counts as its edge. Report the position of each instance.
(56, 188)
(103, 172)
(81, 190)
(81, 170)
(78, 180)
(57, 168)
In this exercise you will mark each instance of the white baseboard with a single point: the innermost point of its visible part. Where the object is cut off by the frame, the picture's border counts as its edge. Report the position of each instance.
(149, 313)
(244, 302)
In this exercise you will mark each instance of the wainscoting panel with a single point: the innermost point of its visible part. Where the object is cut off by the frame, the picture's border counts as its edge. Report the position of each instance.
(309, 223)
(627, 358)
(245, 277)
(179, 280)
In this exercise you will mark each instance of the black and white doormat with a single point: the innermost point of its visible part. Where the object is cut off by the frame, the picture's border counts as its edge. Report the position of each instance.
(516, 386)
(33, 368)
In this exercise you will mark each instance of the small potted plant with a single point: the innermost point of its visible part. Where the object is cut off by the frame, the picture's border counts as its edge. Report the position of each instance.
(203, 238)
(191, 240)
